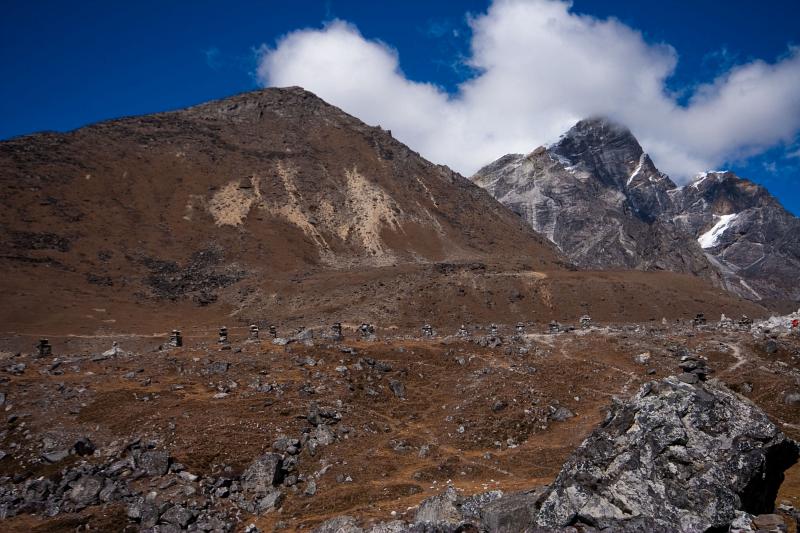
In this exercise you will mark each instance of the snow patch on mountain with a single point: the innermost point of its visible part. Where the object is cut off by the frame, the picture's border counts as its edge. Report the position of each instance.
(710, 238)
(566, 163)
(638, 169)
(703, 175)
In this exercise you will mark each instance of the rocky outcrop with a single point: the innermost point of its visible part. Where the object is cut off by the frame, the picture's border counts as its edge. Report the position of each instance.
(752, 239)
(452, 512)
(192, 502)
(675, 457)
(602, 201)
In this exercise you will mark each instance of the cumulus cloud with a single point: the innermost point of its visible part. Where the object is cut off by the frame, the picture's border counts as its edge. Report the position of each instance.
(539, 68)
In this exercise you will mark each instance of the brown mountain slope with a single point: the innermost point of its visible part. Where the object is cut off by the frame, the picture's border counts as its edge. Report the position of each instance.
(273, 205)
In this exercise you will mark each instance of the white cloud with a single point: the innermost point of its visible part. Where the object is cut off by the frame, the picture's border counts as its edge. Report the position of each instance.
(540, 68)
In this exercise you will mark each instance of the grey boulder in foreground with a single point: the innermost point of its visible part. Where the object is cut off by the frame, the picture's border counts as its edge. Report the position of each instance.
(676, 457)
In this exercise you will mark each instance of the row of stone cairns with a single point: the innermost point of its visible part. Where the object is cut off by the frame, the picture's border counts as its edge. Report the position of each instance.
(427, 330)
(744, 323)
(45, 349)
(365, 330)
(553, 327)
(368, 330)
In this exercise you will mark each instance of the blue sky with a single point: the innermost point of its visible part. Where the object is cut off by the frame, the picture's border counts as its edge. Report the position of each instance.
(69, 64)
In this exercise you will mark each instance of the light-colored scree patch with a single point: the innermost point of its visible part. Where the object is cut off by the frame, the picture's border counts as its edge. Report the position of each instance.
(230, 205)
(367, 210)
(370, 208)
(292, 210)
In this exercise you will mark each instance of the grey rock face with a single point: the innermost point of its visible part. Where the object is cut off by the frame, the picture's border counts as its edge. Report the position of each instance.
(260, 476)
(750, 237)
(55, 456)
(340, 524)
(269, 501)
(85, 490)
(155, 463)
(560, 413)
(177, 515)
(450, 512)
(594, 194)
(440, 509)
(258, 483)
(676, 457)
(602, 201)
(512, 512)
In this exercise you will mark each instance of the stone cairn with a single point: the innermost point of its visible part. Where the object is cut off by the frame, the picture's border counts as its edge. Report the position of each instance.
(492, 340)
(462, 331)
(366, 330)
(44, 349)
(694, 369)
(427, 330)
(745, 323)
(725, 322)
(175, 339)
(586, 322)
(303, 334)
(520, 328)
(554, 327)
(114, 351)
(699, 320)
(336, 331)
(273, 331)
(223, 336)
(253, 332)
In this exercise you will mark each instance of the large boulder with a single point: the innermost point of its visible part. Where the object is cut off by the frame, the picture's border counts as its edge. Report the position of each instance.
(154, 462)
(85, 490)
(258, 484)
(259, 478)
(444, 508)
(676, 457)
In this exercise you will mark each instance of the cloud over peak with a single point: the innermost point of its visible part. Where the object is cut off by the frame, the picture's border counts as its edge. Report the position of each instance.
(539, 69)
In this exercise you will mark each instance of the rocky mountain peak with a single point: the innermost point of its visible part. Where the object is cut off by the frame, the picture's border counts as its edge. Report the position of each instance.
(601, 147)
(596, 194)
(600, 198)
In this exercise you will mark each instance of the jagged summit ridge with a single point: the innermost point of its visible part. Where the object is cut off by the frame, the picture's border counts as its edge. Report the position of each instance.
(601, 147)
(593, 193)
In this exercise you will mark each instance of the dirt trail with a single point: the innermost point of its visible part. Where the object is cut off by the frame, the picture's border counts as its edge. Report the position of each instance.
(738, 354)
